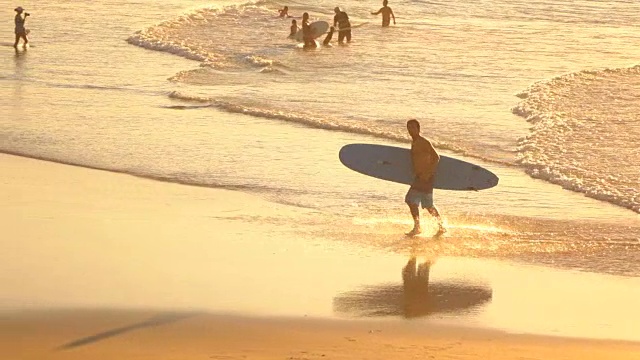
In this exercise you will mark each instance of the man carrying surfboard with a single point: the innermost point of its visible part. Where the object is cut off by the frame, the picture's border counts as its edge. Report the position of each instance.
(307, 33)
(424, 160)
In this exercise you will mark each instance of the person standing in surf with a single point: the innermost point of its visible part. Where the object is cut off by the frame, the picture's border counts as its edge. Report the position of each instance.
(424, 160)
(342, 19)
(307, 33)
(327, 39)
(284, 12)
(20, 30)
(294, 28)
(387, 14)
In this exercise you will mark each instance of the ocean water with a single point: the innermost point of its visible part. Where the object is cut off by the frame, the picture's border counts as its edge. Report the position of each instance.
(545, 94)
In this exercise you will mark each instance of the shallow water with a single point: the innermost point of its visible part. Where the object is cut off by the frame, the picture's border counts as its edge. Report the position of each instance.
(225, 100)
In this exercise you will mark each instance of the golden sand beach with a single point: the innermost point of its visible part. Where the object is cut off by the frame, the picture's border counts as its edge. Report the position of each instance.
(147, 335)
(106, 266)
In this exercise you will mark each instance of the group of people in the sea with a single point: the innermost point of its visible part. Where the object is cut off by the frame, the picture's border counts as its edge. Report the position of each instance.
(424, 157)
(340, 19)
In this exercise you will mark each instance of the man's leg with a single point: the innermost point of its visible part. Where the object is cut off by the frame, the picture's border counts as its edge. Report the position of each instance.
(327, 39)
(414, 207)
(415, 213)
(15, 44)
(434, 212)
(427, 203)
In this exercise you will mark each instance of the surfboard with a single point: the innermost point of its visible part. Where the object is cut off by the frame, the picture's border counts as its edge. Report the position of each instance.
(318, 29)
(393, 163)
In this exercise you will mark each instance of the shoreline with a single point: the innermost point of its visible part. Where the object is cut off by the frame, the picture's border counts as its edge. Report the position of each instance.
(230, 230)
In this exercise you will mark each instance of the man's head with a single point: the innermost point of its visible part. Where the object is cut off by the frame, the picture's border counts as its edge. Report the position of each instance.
(19, 9)
(305, 16)
(385, 2)
(337, 10)
(293, 22)
(413, 126)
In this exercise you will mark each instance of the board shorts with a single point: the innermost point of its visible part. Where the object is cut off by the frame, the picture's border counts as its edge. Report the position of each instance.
(418, 198)
(421, 192)
(21, 31)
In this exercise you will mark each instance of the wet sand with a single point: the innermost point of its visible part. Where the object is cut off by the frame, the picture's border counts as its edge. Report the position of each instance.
(102, 265)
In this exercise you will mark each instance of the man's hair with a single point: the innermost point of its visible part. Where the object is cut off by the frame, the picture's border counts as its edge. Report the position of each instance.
(414, 121)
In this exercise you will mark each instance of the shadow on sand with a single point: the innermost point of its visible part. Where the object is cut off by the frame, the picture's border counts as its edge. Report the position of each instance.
(414, 298)
(157, 320)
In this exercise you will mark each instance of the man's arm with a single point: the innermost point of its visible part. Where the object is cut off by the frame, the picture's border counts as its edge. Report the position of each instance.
(435, 160)
(393, 16)
(425, 168)
(376, 13)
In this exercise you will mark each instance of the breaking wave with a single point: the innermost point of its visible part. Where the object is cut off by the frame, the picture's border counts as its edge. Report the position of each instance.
(586, 127)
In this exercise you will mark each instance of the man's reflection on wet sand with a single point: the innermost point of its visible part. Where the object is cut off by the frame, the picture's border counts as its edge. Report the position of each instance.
(416, 297)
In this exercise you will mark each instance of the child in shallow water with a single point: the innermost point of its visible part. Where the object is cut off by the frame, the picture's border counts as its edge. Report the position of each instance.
(294, 28)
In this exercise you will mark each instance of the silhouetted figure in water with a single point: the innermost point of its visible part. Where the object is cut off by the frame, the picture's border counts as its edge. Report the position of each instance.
(20, 30)
(284, 12)
(307, 34)
(344, 29)
(327, 39)
(387, 14)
